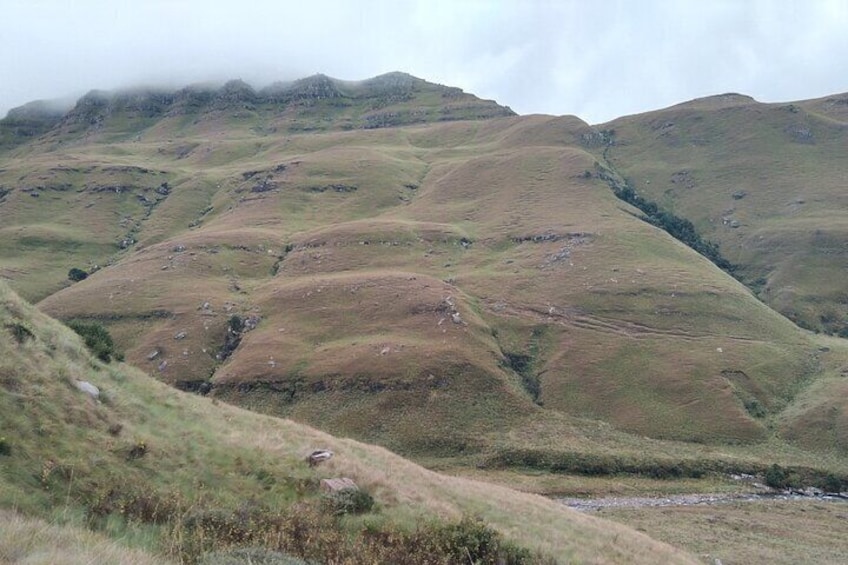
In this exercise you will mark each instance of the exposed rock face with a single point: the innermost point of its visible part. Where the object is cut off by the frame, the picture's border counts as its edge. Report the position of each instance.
(28, 121)
(237, 99)
(236, 92)
(317, 87)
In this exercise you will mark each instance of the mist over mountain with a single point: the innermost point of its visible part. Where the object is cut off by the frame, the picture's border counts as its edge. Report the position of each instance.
(356, 104)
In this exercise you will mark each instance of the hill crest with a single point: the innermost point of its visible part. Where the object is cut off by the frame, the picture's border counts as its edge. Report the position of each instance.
(386, 100)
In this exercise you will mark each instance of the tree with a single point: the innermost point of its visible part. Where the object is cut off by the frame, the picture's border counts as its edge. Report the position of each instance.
(96, 338)
(77, 275)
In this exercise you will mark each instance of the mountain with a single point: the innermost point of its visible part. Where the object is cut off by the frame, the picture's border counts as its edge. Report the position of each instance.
(764, 181)
(315, 103)
(164, 476)
(365, 257)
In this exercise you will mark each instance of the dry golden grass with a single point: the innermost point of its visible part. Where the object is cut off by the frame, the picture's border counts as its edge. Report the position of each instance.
(194, 443)
(771, 532)
(765, 181)
(638, 330)
(32, 541)
(411, 492)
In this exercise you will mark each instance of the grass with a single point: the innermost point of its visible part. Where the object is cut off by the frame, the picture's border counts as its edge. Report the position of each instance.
(632, 319)
(140, 463)
(738, 173)
(748, 532)
(643, 356)
(39, 542)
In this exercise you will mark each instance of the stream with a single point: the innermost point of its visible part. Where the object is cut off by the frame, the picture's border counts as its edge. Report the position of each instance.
(592, 504)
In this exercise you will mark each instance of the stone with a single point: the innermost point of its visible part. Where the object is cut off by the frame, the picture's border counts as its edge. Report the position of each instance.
(88, 388)
(251, 322)
(318, 456)
(338, 484)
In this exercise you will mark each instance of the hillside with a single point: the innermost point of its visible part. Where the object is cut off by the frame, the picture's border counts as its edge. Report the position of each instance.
(473, 270)
(765, 181)
(177, 476)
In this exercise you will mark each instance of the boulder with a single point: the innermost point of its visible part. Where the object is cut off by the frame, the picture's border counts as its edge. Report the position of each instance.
(338, 484)
(89, 389)
(318, 456)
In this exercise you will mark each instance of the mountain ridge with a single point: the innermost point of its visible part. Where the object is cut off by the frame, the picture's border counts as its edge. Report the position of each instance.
(492, 295)
(390, 99)
(480, 274)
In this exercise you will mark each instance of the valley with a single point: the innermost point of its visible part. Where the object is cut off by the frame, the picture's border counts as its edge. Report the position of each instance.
(407, 265)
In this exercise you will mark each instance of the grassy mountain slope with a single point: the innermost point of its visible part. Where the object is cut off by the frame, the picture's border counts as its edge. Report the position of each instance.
(765, 181)
(372, 292)
(146, 463)
(473, 274)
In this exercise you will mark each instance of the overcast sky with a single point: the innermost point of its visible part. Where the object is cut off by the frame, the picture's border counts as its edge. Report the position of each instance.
(597, 59)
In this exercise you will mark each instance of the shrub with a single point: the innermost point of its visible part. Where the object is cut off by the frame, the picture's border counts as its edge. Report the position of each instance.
(96, 338)
(777, 477)
(20, 332)
(236, 324)
(348, 501)
(137, 450)
(77, 275)
(755, 409)
(133, 503)
(679, 228)
(252, 555)
(468, 541)
(235, 327)
(592, 464)
(831, 483)
(522, 364)
(305, 534)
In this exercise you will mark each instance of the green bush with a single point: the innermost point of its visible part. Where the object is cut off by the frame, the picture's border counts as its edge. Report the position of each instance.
(592, 464)
(96, 338)
(679, 228)
(832, 483)
(236, 324)
(77, 275)
(777, 477)
(348, 501)
(20, 332)
(468, 541)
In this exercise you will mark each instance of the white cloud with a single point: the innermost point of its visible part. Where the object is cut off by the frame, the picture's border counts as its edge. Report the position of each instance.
(597, 60)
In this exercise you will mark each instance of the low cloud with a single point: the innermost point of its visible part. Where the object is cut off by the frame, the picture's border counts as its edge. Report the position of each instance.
(597, 60)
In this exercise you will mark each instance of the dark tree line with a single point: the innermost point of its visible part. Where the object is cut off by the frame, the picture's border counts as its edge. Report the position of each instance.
(677, 227)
